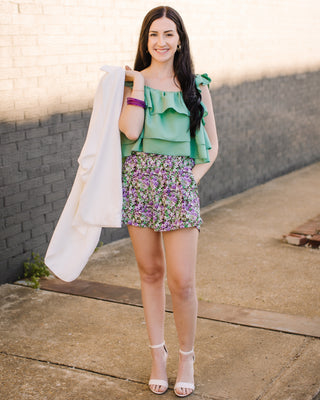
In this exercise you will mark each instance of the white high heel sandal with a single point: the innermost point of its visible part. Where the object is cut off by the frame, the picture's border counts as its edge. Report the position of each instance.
(159, 382)
(184, 385)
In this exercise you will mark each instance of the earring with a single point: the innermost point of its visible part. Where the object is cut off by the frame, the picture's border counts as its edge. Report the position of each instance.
(179, 47)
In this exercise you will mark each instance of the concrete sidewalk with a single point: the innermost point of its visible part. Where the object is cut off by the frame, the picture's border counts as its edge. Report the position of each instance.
(59, 346)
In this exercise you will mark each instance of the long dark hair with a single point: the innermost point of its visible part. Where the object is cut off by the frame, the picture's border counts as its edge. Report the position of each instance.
(182, 64)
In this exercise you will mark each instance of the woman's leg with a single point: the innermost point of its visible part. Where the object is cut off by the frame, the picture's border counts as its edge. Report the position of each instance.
(147, 245)
(181, 253)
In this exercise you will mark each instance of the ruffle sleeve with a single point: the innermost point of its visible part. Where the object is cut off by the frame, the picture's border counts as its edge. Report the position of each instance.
(202, 79)
(200, 144)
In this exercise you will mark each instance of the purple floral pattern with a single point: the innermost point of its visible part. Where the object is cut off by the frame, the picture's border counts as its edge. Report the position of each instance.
(159, 192)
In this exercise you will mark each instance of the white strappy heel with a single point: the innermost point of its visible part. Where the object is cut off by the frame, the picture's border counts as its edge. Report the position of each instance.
(159, 382)
(184, 385)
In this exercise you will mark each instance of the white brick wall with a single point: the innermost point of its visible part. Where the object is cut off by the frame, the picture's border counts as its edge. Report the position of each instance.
(50, 55)
(51, 50)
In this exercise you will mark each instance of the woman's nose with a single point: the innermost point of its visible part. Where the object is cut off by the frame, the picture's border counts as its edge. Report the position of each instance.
(161, 40)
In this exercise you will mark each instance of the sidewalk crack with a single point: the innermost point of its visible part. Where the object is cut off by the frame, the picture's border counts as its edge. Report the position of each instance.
(288, 365)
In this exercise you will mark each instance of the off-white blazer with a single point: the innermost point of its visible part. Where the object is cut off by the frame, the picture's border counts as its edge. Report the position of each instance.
(95, 200)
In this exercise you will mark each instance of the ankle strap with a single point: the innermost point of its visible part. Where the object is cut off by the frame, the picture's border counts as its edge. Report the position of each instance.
(157, 346)
(186, 353)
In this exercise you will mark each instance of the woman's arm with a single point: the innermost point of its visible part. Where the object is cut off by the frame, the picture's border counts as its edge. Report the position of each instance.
(132, 117)
(199, 170)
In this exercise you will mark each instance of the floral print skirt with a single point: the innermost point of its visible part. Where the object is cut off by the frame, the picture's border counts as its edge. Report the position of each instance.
(159, 192)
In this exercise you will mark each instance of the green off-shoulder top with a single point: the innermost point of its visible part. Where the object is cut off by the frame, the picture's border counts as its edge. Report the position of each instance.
(166, 128)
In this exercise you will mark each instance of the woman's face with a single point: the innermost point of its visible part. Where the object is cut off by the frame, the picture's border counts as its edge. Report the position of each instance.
(163, 39)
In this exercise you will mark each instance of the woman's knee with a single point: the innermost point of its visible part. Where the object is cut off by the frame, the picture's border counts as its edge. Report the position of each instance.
(184, 289)
(151, 272)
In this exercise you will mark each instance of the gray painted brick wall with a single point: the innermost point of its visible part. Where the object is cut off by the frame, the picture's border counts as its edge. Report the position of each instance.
(266, 128)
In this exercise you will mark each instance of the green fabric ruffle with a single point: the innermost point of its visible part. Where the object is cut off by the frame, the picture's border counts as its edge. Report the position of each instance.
(166, 128)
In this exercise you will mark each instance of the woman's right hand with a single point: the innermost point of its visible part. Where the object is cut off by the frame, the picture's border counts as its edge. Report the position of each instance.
(132, 118)
(133, 76)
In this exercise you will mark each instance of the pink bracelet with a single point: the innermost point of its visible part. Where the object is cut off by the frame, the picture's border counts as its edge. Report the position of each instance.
(136, 102)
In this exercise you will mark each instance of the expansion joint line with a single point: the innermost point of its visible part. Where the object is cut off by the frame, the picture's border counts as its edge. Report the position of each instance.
(71, 367)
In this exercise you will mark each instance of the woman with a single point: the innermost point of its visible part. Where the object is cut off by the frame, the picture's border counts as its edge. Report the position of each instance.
(167, 151)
